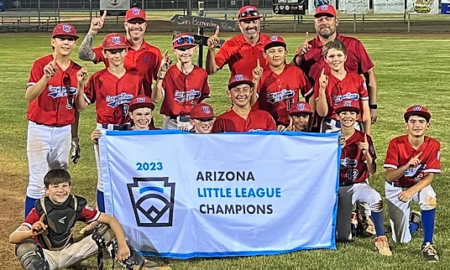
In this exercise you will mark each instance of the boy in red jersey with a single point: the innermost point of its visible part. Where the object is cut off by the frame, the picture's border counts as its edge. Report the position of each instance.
(357, 164)
(112, 90)
(300, 117)
(411, 163)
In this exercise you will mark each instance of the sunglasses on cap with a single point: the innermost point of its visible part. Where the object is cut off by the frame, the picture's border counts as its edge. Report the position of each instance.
(184, 40)
(246, 14)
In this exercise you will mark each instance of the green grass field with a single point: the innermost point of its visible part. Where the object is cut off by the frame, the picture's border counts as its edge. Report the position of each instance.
(411, 70)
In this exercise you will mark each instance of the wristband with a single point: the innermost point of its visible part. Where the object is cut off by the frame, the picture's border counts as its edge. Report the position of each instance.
(373, 106)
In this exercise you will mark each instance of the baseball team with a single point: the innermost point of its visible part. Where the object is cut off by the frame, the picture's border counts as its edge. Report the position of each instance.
(329, 86)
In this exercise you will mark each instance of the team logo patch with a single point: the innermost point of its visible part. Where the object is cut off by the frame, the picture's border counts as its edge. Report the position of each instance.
(146, 59)
(324, 7)
(206, 109)
(417, 108)
(301, 106)
(136, 11)
(115, 40)
(249, 9)
(239, 77)
(347, 103)
(140, 100)
(349, 163)
(274, 38)
(67, 28)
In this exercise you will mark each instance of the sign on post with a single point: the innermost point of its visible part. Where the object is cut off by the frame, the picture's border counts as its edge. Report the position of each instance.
(290, 7)
(186, 20)
(115, 7)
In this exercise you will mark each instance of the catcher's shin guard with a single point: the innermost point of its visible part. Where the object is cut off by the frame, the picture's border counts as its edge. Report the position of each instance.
(31, 256)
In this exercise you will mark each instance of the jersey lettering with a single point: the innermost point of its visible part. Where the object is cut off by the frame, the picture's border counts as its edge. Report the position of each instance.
(280, 96)
(114, 101)
(61, 91)
(350, 96)
(183, 96)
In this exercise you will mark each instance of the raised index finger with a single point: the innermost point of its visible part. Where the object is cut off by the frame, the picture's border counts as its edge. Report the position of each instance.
(41, 219)
(166, 53)
(323, 71)
(104, 15)
(257, 63)
(55, 58)
(365, 137)
(217, 31)
(306, 37)
(418, 155)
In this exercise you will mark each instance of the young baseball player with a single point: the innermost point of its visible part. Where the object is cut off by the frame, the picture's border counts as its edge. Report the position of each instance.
(357, 164)
(412, 161)
(280, 86)
(241, 118)
(180, 86)
(299, 117)
(44, 241)
(112, 89)
(141, 57)
(202, 118)
(51, 93)
(337, 86)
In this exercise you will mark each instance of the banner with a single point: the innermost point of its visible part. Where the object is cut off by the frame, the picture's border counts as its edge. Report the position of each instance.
(183, 195)
(113, 5)
(388, 6)
(313, 4)
(356, 6)
(423, 6)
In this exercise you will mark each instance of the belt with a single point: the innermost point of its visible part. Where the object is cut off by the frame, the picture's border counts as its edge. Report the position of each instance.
(346, 184)
(39, 124)
(115, 127)
(395, 185)
(175, 117)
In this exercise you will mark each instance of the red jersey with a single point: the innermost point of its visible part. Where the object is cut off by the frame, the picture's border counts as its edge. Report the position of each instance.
(353, 162)
(87, 215)
(55, 105)
(257, 120)
(358, 60)
(146, 61)
(240, 56)
(181, 92)
(277, 93)
(352, 87)
(400, 152)
(113, 95)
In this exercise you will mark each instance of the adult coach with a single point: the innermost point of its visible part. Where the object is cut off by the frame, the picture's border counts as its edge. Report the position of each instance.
(241, 52)
(51, 92)
(309, 54)
(142, 57)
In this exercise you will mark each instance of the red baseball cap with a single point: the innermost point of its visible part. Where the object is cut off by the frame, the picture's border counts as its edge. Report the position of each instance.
(300, 108)
(248, 13)
(141, 101)
(202, 111)
(66, 30)
(183, 40)
(347, 105)
(115, 41)
(274, 41)
(238, 79)
(135, 13)
(325, 10)
(417, 110)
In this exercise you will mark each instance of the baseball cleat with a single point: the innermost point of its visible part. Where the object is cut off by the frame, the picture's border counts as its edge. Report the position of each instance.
(382, 244)
(430, 253)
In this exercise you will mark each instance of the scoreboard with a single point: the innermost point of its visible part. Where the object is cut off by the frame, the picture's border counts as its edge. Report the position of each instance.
(290, 6)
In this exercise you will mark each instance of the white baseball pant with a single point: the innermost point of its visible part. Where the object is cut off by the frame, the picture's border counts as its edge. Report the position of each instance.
(169, 123)
(399, 212)
(48, 148)
(349, 195)
(331, 126)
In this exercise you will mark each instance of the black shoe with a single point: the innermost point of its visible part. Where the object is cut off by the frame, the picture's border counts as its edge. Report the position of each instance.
(430, 252)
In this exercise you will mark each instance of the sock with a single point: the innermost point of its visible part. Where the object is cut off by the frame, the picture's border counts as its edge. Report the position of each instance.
(100, 201)
(428, 225)
(29, 205)
(377, 218)
(413, 227)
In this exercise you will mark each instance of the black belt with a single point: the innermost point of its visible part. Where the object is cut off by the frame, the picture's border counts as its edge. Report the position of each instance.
(174, 117)
(117, 127)
(39, 124)
(346, 184)
(395, 185)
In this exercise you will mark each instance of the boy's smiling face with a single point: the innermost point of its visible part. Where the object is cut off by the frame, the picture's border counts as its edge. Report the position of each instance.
(58, 193)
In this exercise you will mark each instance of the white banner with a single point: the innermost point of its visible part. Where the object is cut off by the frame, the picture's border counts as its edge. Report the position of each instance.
(313, 4)
(111, 5)
(185, 195)
(356, 6)
(423, 6)
(388, 6)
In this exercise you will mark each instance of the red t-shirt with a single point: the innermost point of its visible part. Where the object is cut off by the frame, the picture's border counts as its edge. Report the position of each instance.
(352, 87)
(146, 60)
(353, 162)
(400, 152)
(113, 95)
(87, 215)
(277, 93)
(257, 120)
(55, 105)
(240, 56)
(181, 92)
(358, 60)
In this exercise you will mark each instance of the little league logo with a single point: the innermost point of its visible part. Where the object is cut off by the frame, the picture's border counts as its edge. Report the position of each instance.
(347, 103)
(301, 106)
(274, 38)
(239, 77)
(206, 109)
(67, 28)
(153, 200)
(417, 108)
(140, 100)
(136, 11)
(115, 40)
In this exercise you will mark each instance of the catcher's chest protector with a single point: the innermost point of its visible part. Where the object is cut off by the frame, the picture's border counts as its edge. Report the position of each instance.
(60, 219)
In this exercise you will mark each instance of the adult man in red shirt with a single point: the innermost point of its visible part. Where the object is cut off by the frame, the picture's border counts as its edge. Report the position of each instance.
(412, 161)
(280, 86)
(240, 52)
(51, 92)
(309, 54)
(141, 56)
(241, 118)
(180, 86)
(112, 89)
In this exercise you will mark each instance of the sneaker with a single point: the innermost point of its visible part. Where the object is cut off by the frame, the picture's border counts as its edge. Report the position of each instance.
(382, 244)
(429, 252)
(416, 218)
